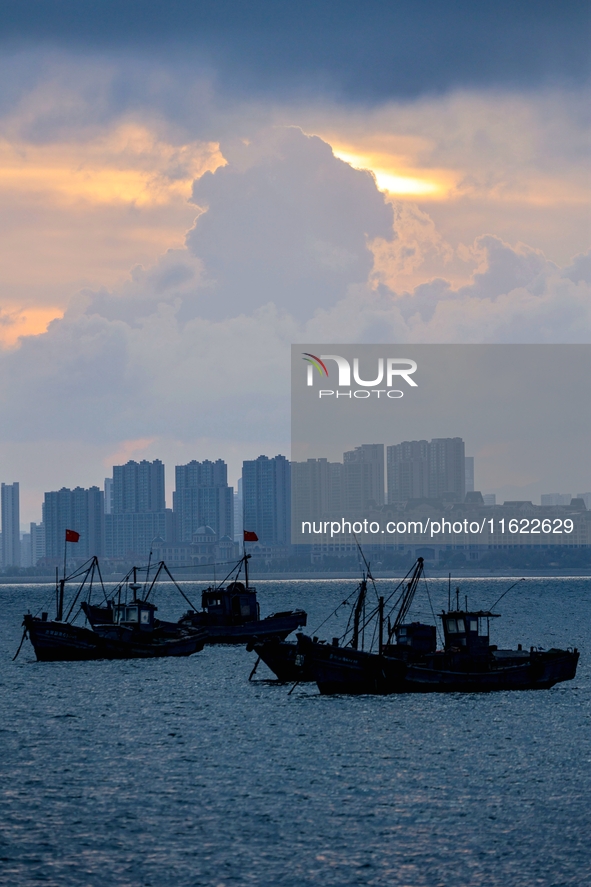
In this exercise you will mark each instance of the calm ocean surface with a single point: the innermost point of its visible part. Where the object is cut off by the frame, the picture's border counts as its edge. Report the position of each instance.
(181, 772)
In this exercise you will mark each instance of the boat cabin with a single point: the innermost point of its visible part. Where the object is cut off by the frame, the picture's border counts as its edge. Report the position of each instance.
(136, 614)
(235, 602)
(467, 630)
(418, 636)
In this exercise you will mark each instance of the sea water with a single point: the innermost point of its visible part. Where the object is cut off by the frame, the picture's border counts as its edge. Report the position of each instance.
(181, 772)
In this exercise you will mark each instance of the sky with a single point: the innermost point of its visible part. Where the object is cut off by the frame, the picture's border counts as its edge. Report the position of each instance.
(189, 188)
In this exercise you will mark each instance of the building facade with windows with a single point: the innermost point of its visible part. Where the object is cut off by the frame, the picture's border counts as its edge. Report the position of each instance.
(266, 492)
(82, 510)
(202, 497)
(10, 513)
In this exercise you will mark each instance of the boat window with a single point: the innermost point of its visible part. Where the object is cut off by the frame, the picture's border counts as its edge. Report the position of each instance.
(132, 614)
(473, 624)
(483, 627)
(145, 617)
(461, 625)
(451, 625)
(402, 629)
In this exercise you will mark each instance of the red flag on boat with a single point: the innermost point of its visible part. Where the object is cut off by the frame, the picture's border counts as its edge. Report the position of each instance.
(250, 536)
(72, 536)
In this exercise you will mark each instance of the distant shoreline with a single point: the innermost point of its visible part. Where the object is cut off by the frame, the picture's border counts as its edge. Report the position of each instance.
(456, 575)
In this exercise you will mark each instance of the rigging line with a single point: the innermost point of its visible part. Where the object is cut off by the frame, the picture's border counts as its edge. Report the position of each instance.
(367, 620)
(101, 580)
(373, 637)
(50, 599)
(161, 565)
(80, 570)
(199, 566)
(237, 566)
(348, 628)
(399, 601)
(401, 595)
(506, 592)
(119, 587)
(193, 607)
(148, 568)
(342, 604)
(369, 576)
(79, 592)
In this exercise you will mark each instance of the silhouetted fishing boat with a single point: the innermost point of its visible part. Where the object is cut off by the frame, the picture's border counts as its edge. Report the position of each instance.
(407, 659)
(287, 659)
(124, 628)
(231, 613)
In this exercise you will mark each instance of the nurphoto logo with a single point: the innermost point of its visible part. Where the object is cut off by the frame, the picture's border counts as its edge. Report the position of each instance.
(389, 370)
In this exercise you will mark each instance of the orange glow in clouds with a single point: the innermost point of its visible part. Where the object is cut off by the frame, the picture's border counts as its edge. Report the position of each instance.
(28, 322)
(127, 165)
(82, 213)
(394, 177)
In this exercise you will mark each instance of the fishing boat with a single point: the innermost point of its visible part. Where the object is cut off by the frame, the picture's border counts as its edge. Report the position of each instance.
(125, 627)
(407, 660)
(287, 660)
(231, 614)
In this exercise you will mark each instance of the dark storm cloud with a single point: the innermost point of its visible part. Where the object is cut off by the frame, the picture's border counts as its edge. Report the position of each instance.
(367, 51)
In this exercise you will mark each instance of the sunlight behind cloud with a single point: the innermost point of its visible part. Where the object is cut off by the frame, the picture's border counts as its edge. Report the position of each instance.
(391, 176)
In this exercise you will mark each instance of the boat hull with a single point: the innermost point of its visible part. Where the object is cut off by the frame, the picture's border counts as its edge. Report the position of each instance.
(61, 642)
(341, 670)
(285, 660)
(220, 632)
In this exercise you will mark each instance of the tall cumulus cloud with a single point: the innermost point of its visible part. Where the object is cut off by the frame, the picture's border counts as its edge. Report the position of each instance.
(280, 252)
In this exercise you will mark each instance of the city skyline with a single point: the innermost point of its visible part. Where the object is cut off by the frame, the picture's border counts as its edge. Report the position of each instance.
(218, 475)
(33, 513)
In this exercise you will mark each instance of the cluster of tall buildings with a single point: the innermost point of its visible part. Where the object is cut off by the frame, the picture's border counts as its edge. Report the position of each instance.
(129, 518)
(373, 475)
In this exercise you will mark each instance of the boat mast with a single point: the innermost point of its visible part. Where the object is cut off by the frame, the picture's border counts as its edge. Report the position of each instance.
(358, 611)
(245, 559)
(60, 601)
(381, 626)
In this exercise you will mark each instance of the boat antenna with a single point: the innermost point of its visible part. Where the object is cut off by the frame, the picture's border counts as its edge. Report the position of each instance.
(506, 592)
(448, 592)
